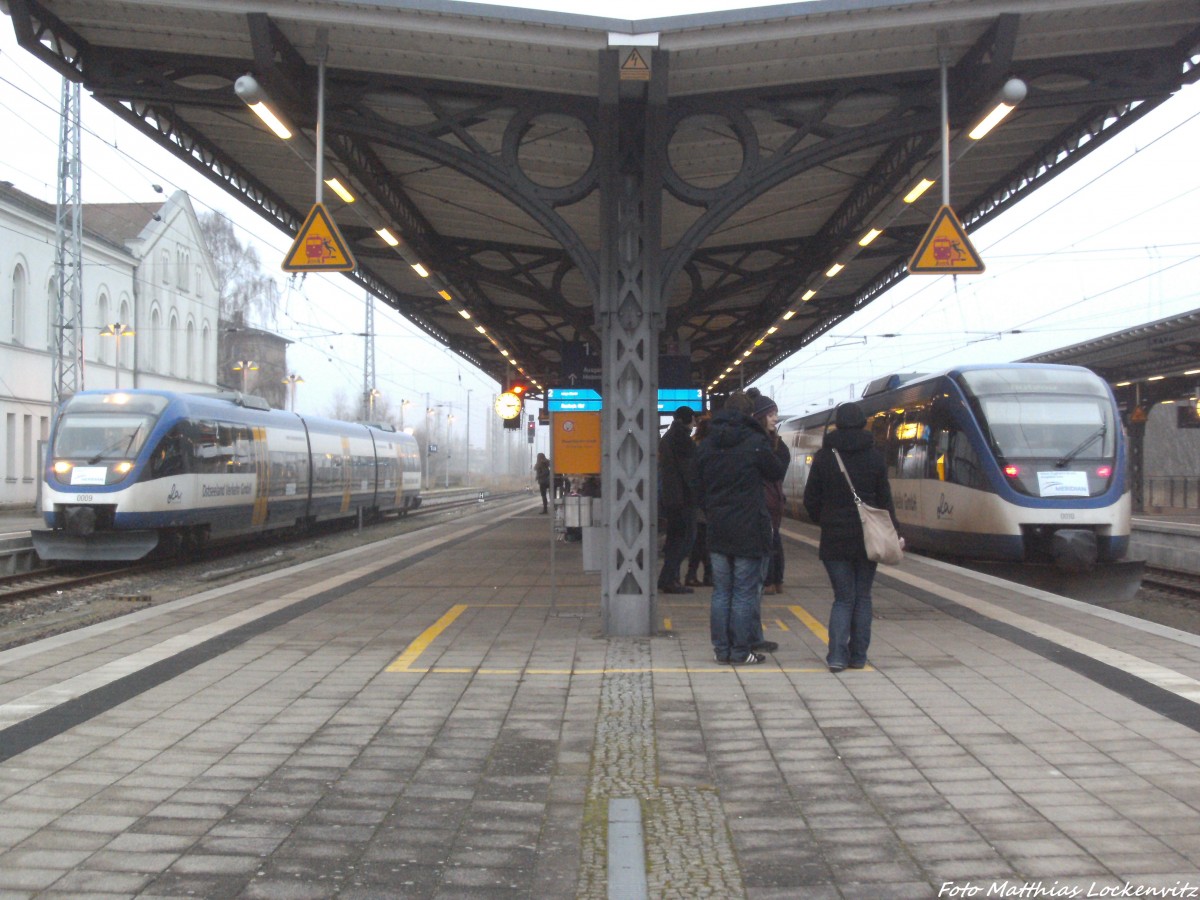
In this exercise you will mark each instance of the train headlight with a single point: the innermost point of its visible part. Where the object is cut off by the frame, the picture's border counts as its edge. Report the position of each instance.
(1012, 471)
(122, 468)
(1104, 472)
(61, 467)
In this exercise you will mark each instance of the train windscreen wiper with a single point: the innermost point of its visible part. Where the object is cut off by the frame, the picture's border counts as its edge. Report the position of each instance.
(114, 445)
(1098, 433)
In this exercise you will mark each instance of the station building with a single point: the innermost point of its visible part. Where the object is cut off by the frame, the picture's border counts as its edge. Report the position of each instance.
(145, 265)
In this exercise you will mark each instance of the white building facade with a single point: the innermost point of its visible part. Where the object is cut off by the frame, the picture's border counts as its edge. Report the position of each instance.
(146, 268)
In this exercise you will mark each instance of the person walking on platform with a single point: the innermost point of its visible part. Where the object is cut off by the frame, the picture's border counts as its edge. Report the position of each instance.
(699, 555)
(830, 504)
(733, 464)
(541, 470)
(677, 474)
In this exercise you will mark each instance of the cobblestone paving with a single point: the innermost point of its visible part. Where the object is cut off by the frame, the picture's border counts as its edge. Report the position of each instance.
(689, 853)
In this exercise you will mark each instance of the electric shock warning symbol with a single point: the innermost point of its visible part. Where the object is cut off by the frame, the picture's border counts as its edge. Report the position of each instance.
(319, 246)
(945, 248)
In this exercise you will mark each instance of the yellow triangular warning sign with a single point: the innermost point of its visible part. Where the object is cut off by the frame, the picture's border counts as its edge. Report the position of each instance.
(945, 248)
(635, 67)
(319, 246)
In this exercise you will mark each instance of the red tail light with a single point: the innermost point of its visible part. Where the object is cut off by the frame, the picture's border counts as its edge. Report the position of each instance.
(1104, 471)
(1012, 471)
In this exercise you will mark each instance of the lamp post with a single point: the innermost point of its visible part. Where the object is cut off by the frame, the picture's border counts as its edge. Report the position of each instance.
(244, 366)
(449, 432)
(467, 467)
(403, 403)
(291, 381)
(118, 331)
(371, 395)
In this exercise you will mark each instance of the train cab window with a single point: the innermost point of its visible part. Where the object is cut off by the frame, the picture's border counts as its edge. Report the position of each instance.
(170, 457)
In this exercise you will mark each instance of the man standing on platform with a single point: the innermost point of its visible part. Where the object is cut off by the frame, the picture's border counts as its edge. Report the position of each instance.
(677, 503)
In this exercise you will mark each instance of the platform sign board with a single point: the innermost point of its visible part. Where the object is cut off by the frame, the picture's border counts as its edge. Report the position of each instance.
(575, 442)
(581, 366)
(319, 246)
(573, 400)
(670, 399)
(945, 249)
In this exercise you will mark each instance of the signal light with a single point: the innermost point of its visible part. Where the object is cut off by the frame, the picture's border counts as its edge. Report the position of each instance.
(519, 388)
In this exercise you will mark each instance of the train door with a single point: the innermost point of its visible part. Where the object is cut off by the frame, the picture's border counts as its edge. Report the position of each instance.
(262, 471)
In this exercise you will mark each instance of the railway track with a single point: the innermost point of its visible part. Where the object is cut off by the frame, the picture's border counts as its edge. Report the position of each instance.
(1185, 585)
(61, 578)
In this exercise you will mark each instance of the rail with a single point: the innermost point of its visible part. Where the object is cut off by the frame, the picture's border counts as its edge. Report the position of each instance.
(1173, 492)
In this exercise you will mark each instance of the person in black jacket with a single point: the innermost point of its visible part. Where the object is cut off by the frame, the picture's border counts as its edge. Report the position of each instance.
(734, 463)
(830, 504)
(677, 503)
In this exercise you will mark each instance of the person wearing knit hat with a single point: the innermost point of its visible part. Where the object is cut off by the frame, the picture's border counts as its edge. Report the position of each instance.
(766, 413)
(734, 462)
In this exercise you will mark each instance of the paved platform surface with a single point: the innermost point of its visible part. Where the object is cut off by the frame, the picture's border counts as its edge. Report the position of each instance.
(438, 716)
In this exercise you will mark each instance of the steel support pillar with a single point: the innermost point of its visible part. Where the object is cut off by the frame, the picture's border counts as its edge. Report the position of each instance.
(630, 314)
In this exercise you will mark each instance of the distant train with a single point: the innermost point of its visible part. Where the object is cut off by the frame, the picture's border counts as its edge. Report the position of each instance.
(1006, 462)
(130, 472)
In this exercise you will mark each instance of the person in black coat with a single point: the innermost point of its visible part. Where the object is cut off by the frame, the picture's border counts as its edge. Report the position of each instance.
(734, 463)
(830, 504)
(677, 502)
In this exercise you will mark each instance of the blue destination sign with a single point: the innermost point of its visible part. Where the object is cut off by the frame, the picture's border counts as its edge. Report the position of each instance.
(588, 400)
(573, 400)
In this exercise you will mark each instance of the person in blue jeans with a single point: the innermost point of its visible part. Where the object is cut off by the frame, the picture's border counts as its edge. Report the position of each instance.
(734, 461)
(830, 504)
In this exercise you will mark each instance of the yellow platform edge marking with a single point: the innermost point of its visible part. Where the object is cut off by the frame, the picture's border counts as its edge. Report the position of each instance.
(783, 626)
(812, 624)
(712, 669)
(426, 637)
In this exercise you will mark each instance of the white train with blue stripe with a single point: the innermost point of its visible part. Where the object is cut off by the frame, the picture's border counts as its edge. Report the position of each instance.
(129, 472)
(1015, 462)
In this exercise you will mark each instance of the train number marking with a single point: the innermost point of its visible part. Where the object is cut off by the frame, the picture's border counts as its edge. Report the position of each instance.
(84, 498)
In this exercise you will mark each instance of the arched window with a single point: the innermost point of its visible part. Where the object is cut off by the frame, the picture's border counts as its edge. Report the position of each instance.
(51, 310)
(164, 262)
(103, 351)
(125, 317)
(205, 337)
(191, 350)
(19, 291)
(156, 337)
(199, 282)
(173, 345)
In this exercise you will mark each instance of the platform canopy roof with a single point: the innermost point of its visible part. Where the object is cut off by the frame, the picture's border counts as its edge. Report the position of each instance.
(784, 134)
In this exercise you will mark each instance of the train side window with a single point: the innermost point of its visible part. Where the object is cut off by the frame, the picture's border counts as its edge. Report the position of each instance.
(169, 456)
(963, 465)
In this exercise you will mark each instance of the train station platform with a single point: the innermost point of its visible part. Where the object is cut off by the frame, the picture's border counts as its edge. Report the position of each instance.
(437, 715)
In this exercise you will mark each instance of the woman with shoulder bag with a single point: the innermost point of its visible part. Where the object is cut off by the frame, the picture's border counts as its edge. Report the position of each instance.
(830, 503)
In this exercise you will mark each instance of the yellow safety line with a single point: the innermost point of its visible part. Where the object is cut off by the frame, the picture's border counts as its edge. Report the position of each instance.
(813, 625)
(417, 647)
(677, 670)
(782, 625)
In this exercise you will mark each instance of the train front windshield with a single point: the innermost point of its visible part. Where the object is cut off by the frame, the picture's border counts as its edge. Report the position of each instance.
(94, 429)
(1045, 416)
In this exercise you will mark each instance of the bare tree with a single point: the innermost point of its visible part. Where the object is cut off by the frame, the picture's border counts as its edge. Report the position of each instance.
(247, 293)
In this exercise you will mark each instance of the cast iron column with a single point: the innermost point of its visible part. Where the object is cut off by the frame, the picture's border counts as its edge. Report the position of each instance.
(629, 318)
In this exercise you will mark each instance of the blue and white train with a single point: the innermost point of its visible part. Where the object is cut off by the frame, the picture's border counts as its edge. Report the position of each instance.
(1012, 462)
(129, 472)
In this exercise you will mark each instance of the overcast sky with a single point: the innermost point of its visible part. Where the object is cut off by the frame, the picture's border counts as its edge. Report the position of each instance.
(1111, 243)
